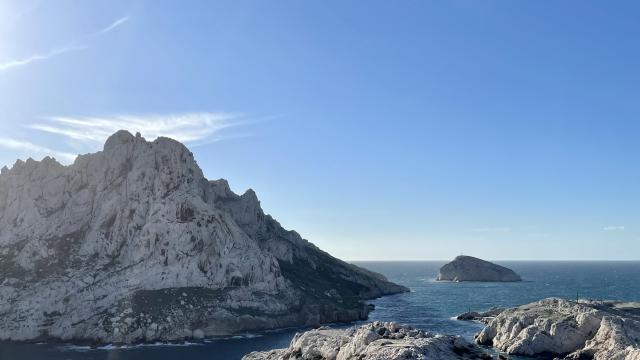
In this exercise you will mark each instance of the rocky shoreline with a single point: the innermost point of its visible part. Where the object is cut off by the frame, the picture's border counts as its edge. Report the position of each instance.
(597, 330)
(550, 328)
(374, 341)
(484, 317)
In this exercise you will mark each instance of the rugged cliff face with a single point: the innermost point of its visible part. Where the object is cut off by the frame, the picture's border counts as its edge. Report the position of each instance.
(375, 341)
(133, 244)
(595, 330)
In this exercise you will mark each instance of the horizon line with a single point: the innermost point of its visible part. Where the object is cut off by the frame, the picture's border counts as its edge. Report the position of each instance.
(523, 260)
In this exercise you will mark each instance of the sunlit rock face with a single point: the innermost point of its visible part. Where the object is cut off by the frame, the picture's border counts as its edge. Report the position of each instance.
(375, 341)
(133, 244)
(568, 330)
(469, 268)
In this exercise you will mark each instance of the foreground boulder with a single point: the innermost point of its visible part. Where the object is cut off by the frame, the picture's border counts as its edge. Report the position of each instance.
(569, 330)
(133, 244)
(378, 340)
(469, 268)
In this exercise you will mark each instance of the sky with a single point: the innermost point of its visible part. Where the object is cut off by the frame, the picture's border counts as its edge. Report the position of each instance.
(379, 130)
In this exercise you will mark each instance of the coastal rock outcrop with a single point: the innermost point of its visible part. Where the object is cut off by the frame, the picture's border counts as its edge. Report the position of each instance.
(484, 317)
(378, 340)
(469, 268)
(133, 243)
(566, 329)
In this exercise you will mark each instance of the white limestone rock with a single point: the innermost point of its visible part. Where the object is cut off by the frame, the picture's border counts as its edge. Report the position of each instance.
(374, 341)
(617, 338)
(133, 244)
(469, 268)
(586, 330)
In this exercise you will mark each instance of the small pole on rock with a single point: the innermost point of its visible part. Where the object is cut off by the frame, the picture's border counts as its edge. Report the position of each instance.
(577, 299)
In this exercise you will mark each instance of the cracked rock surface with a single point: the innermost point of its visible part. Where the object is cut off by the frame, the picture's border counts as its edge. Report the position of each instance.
(374, 341)
(607, 330)
(133, 244)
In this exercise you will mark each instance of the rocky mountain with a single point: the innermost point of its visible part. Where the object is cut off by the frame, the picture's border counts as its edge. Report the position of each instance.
(132, 244)
(375, 341)
(469, 268)
(608, 330)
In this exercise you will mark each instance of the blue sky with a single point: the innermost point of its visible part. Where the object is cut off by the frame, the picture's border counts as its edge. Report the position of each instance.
(378, 130)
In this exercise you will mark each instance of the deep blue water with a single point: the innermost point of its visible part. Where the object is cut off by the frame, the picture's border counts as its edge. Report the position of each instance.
(430, 306)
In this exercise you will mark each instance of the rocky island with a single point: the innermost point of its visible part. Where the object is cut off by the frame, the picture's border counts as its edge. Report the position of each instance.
(594, 330)
(375, 341)
(469, 268)
(134, 244)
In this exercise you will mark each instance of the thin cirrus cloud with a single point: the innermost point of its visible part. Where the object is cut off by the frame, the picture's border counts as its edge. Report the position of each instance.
(613, 228)
(16, 17)
(192, 128)
(36, 57)
(72, 46)
(35, 150)
(90, 133)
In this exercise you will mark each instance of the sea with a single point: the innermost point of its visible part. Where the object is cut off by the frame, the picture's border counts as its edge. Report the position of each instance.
(430, 305)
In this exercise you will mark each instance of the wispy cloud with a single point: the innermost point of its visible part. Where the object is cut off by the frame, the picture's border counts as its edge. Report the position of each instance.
(500, 229)
(192, 128)
(88, 134)
(613, 228)
(82, 43)
(31, 149)
(17, 16)
(37, 57)
(113, 25)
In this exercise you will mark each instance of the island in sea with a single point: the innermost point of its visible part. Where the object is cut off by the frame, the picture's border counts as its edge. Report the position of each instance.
(469, 268)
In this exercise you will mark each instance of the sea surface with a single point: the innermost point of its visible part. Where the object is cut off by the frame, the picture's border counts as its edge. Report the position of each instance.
(430, 306)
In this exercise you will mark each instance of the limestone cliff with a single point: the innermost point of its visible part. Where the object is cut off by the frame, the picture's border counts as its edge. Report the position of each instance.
(133, 244)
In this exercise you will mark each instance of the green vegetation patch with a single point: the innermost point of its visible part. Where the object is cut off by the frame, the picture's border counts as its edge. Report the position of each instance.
(156, 302)
(323, 284)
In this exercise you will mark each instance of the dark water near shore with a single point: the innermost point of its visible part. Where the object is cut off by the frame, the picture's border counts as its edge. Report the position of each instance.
(430, 306)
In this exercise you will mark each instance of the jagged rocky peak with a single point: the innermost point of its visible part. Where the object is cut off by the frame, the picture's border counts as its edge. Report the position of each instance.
(469, 268)
(118, 139)
(133, 243)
